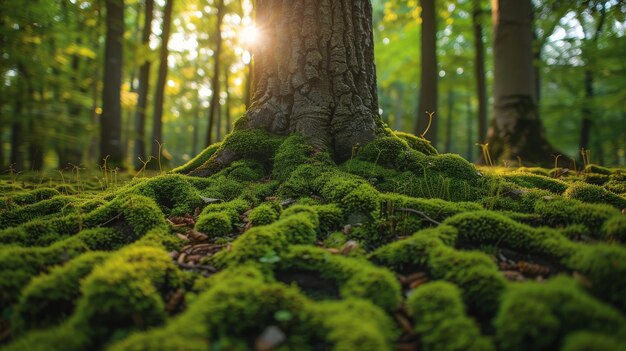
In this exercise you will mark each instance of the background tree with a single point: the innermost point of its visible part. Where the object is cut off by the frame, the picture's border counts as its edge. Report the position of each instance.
(111, 120)
(429, 72)
(516, 130)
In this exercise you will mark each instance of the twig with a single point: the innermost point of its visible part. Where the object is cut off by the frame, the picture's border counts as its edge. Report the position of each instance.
(424, 215)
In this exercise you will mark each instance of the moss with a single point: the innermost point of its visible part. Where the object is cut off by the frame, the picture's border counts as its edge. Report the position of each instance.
(559, 212)
(616, 186)
(594, 194)
(595, 178)
(353, 277)
(535, 170)
(441, 321)
(27, 197)
(590, 341)
(453, 165)
(218, 219)
(597, 169)
(615, 229)
(42, 208)
(265, 213)
(50, 298)
(532, 181)
(293, 152)
(335, 240)
(236, 306)
(536, 316)
(173, 193)
(197, 161)
(245, 170)
(418, 144)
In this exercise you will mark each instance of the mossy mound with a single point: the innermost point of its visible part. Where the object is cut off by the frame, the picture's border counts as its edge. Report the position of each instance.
(399, 247)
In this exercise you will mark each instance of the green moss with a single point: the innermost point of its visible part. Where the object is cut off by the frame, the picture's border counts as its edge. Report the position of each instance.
(559, 212)
(533, 181)
(237, 305)
(535, 170)
(536, 316)
(418, 144)
(197, 161)
(590, 341)
(173, 192)
(352, 277)
(335, 240)
(42, 208)
(594, 194)
(27, 197)
(616, 186)
(293, 152)
(265, 213)
(218, 219)
(597, 169)
(441, 321)
(245, 170)
(50, 298)
(615, 229)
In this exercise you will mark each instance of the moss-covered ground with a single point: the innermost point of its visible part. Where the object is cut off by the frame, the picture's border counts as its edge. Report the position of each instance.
(399, 248)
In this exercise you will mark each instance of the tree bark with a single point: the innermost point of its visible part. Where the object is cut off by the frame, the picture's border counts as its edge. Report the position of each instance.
(449, 120)
(215, 80)
(587, 110)
(479, 67)
(16, 158)
(313, 75)
(516, 130)
(142, 90)
(399, 106)
(157, 120)
(111, 119)
(428, 85)
(227, 107)
(470, 133)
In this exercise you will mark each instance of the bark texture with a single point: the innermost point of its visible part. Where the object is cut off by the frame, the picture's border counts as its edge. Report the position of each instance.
(142, 90)
(479, 67)
(428, 86)
(157, 120)
(516, 130)
(111, 119)
(314, 73)
(215, 80)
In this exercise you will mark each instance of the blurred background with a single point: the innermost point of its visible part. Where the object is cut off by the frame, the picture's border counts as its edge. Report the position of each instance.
(186, 73)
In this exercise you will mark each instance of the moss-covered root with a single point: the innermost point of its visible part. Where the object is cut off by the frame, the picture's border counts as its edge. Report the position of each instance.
(239, 305)
(594, 194)
(125, 293)
(537, 316)
(441, 321)
(50, 298)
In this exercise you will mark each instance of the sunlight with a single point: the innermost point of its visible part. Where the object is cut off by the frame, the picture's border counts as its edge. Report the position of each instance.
(249, 35)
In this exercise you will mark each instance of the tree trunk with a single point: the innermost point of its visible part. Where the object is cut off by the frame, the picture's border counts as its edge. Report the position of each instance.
(313, 75)
(449, 120)
(196, 124)
(516, 130)
(470, 132)
(157, 120)
(16, 159)
(479, 66)
(399, 106)
(428, 85)
(111, 119)
(215, 81)
(227, 108)
(587, 110)
(142, 91)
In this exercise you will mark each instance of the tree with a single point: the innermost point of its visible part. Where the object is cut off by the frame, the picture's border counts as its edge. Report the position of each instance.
(143, 88)
(157, 121)
(215, 81)
(314, 74)
(516, 130)
(111, 119)
(429, 71)
(479, 69)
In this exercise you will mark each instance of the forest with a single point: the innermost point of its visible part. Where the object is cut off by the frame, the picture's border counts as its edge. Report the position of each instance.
(313, 175)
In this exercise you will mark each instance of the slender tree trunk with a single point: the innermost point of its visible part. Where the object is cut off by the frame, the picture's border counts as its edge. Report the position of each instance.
(479, 67)
(215, 81)
(449, 120)
(35, 138)
(196, 125)
(157, 121)
(470, 133)
(16, 158)
(2, 121)
(429, 72)
(516, 130)
(248, 84)
(399, 107)
(142, 90)
(314, 75)
(111, 119)
(227, 108)
(587, 110)
(218, 124)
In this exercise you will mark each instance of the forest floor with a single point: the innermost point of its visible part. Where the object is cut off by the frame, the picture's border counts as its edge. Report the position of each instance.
(398, 248)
